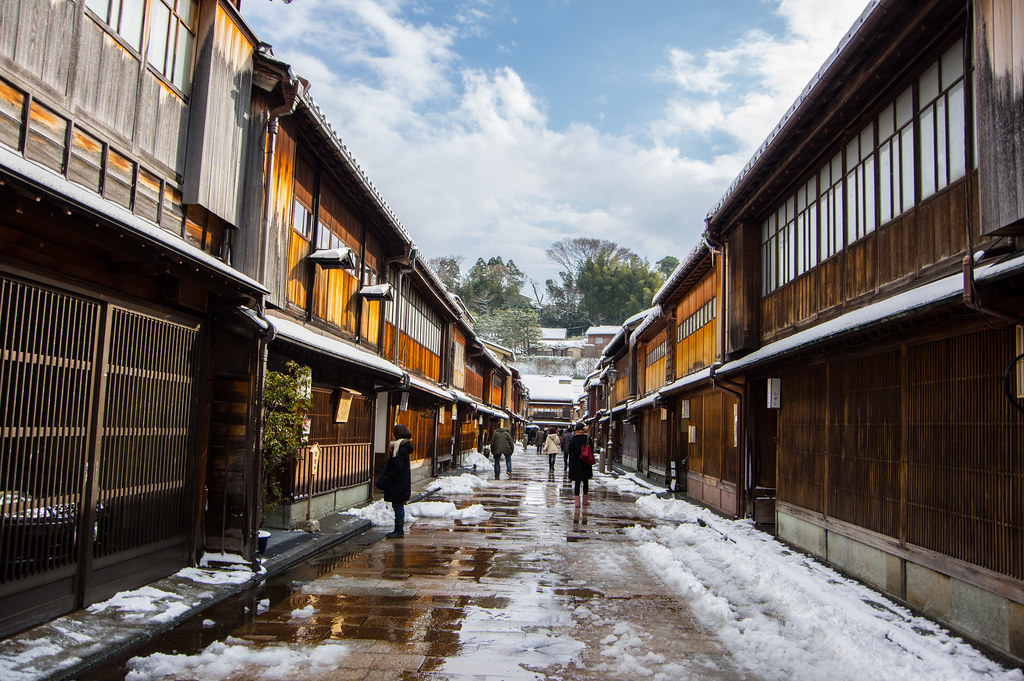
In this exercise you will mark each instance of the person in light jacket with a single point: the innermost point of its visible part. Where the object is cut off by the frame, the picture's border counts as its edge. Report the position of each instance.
(552, 446)
(580, 472)
(396, 478)
(502, 443)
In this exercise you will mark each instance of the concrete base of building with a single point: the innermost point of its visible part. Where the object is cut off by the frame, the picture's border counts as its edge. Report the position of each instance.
(993, 620)
(290, 516)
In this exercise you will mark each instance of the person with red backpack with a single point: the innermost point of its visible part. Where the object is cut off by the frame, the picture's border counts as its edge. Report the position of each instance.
(580, 470)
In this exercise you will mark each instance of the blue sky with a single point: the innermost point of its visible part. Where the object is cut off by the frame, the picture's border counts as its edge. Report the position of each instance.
(497, 127)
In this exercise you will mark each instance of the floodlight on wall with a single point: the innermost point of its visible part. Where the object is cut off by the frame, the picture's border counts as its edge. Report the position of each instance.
(378, 292)
(343, 258)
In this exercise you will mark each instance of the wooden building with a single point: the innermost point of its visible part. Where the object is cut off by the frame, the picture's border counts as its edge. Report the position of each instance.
(872, 308)
(131, 363)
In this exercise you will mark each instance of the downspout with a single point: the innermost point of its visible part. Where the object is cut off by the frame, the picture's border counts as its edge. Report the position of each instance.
(265, 336)
(973, 301)
(291, 89)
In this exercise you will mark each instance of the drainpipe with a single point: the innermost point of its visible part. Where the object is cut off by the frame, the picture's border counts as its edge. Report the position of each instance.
(266, 336)
(291, 88)
(972, 300)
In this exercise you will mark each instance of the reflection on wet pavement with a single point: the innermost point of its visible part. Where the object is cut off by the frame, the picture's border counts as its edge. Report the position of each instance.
(540, 590)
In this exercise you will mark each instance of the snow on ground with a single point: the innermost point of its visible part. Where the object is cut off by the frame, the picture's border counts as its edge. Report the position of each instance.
(467, 483)
(381, 514)
(475, 459)
(786, 616)
(221, 660)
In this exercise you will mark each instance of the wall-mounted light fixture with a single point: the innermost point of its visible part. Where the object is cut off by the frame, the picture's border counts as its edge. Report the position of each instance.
(343, 258)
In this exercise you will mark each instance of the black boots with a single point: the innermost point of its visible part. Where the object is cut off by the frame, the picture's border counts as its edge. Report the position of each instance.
(399, 530)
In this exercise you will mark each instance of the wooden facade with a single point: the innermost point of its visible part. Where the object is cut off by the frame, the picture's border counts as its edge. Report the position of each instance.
(118, 304)
(845, 340)
(870, 337)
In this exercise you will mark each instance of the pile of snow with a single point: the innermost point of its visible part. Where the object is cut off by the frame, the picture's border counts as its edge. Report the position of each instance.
(381, 514)
(783, 615)
(474, 459)
(237, 575)
(625, 484)
(146, 602)
(228, 659)
(465, 484)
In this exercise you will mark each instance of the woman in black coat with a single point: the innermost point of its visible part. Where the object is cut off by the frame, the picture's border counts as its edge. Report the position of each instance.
(580, 472)
(396, 478)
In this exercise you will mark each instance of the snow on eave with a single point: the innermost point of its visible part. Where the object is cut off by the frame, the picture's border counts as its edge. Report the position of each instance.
(357, 172)
(682, 269)
(685, 382)
(901, 305)
(63, 189)
(304, 336)
(655, 314)
(788, 116)
(647, 401)
(428, 387)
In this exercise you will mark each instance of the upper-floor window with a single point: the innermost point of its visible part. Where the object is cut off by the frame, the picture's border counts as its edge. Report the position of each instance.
(124, 16)
(860, 185)
(941, 121)
(704, 314)
(656, 353)
(915, 147)
(896, 156)
(172, 32)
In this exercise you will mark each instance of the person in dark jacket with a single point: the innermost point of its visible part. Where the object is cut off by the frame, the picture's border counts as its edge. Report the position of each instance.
(396, 478)
(502, 443)
(566, 436)
(580, 472)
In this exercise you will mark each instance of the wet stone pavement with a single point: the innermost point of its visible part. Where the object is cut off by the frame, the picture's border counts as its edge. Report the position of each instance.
(540, 590)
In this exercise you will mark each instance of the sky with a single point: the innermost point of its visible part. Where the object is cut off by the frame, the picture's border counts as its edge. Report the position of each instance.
(783, 615)
(498, 127)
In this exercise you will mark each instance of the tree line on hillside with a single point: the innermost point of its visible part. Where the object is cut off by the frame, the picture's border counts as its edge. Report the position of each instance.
(599, 283)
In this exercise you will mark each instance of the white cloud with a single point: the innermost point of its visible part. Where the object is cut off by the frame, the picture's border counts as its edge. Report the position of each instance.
(468, 158)
(743, 90)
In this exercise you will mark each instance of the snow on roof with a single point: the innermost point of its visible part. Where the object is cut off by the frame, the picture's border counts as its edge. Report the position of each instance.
(815, 79)
(655, 313)
(552, 388)
(45, 178)
(895, 307)
(302, 335)
(685, 382)
(553, 334)
(601, 331)
(428, 387)
(562, 343)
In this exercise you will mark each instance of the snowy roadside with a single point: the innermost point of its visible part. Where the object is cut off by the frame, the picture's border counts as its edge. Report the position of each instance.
(785, 615)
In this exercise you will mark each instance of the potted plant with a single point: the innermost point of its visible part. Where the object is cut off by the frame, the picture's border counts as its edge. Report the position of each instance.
(287, 402)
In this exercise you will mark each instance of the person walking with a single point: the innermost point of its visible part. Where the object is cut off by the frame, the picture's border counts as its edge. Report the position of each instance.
(502, 443)
(396, 478)
(566, 436)
(552, 446)
(580, 472)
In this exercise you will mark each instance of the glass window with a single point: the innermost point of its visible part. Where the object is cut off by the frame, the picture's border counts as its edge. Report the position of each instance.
(123, 16)
(942, 122)
(172, 36)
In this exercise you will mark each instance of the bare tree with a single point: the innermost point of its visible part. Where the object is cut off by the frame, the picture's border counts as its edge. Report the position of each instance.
(571, 254)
